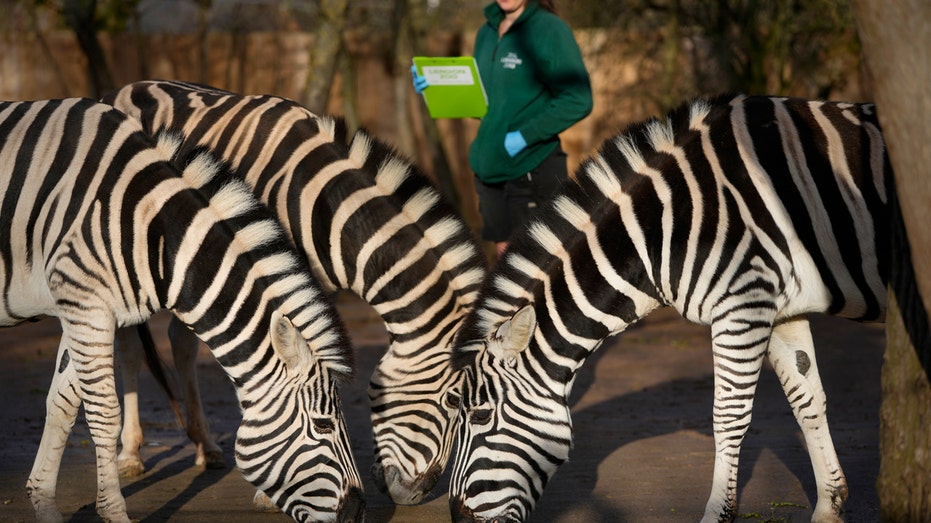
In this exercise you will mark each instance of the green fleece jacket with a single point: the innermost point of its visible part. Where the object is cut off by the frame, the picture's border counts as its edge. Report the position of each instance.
(536, 83)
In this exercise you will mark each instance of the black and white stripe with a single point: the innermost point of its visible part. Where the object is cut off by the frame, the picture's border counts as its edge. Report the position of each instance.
(101, 230)
(370, 222)
(744, 213)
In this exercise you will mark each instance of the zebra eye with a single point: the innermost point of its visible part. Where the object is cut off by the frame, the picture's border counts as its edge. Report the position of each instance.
(324, 425)
(480, 416)
(452, 400)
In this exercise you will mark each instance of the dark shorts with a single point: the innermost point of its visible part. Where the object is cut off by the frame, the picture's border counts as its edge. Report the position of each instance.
(507, 205)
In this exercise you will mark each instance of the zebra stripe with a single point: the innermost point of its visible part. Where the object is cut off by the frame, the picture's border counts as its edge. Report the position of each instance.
(745, 214)
(101, 231)
(370, 222)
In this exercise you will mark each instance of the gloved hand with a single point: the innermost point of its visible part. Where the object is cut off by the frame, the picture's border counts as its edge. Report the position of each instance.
(420, 82)
(514, 143)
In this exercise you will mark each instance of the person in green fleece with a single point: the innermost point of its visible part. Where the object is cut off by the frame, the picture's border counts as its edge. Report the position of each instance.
(537, 87)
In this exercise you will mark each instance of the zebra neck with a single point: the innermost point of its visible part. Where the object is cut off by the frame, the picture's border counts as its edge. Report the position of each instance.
(566, 346)
(580, 297)
(409, 340)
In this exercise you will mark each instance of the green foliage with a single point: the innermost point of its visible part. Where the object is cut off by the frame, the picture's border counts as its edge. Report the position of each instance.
(777, 47)
(767, 47)
(115, 15)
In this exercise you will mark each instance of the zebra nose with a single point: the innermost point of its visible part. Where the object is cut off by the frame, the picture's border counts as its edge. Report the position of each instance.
(352, 509)
(463, 514)
(429, 478)
(383, 476)
(389, 481)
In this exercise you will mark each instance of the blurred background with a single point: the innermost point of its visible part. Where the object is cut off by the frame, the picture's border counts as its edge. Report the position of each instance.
(351, 58)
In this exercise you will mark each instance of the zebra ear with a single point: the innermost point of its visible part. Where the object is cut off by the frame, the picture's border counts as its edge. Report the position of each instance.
(514, 335)
(289, 344)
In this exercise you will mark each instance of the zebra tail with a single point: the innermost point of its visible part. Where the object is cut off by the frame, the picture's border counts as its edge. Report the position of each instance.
(157, 368)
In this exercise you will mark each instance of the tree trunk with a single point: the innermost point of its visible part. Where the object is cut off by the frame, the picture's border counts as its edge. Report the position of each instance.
(896, 37)
(411, 37)
(327, 46)
(46, 50)
(203, 49)
(347, 71)
(140, 41)
(399, 61)
(80, 15)
(904, 483)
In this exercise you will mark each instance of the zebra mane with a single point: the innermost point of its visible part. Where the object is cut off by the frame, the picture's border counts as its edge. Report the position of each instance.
(210, 175)
(418, 196)
(169, 142)
(232, 199)
(519, 275)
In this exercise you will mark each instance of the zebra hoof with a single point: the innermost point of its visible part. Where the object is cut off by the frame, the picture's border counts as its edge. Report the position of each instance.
(48, 513)
(212, 459)
(263, 503)
(130, 468)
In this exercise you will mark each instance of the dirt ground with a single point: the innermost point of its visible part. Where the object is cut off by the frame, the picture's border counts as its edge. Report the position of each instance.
(641, 409)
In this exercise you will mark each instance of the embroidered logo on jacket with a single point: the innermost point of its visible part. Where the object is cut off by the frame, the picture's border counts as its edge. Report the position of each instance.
(511, 61)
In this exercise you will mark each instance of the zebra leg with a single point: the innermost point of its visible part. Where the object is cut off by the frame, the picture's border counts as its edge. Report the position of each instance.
(184, 348)
(739, 344)
(791, 353)
(130, 351)
(84, 375)
(61, 411)
(90, 344)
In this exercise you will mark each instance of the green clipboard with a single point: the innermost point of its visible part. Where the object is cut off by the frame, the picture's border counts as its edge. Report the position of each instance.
(455, 87)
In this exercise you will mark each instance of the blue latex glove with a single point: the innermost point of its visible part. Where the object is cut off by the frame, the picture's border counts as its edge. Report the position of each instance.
(420, 82)
(514, 143)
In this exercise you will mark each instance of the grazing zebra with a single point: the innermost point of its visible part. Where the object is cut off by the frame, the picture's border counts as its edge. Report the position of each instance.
(100, 230)
(745, 214)
(369, 222)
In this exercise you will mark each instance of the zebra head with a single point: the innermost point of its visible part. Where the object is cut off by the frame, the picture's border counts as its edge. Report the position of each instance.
(424, 277)
(414, 418)
(515, 428)
(292, 443)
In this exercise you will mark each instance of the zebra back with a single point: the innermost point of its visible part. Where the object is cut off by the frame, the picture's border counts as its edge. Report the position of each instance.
(103, 230)
(369, 221)
(744, 213)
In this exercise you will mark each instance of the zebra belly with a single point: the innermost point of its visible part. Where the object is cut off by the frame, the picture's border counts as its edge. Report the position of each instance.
(799, 289)
(25, 299)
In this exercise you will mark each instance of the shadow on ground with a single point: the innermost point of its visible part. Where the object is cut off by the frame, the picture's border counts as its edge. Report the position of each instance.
(643, 450)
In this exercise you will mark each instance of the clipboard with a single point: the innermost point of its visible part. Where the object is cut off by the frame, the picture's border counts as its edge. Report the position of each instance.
(455, 87)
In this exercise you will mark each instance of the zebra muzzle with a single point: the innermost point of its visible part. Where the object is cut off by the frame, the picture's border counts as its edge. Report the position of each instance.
(352, 509)
(389, 481)
(460, 513)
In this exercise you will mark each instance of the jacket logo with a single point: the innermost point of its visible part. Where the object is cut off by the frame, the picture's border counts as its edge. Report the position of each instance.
(511, 61)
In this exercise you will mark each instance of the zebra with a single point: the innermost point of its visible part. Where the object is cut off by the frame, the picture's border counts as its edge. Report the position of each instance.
(744, 213)
(369, 222)
(101, 230)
